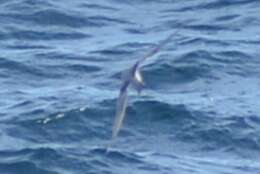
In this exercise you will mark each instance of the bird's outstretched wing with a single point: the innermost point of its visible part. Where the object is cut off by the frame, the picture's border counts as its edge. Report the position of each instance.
(155, 50)
(120, 109)
(120, 112)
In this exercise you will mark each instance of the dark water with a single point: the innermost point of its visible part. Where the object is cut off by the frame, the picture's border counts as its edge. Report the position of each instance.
(59, 77)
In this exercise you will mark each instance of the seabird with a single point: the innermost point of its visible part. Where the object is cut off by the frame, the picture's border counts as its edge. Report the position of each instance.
(132, 77)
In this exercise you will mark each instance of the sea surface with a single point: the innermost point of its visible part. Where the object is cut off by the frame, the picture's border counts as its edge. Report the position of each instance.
(60, 66)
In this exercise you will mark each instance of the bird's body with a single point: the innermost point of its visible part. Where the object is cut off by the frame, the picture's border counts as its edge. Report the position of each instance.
(134, 78)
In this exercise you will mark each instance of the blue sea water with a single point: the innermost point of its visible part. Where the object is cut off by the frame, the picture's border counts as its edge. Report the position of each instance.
(60, 65)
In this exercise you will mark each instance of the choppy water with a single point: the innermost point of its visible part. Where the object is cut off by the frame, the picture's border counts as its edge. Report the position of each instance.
(59, 77)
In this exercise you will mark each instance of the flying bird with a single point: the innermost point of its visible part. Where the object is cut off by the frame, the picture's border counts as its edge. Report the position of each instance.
(132, 77)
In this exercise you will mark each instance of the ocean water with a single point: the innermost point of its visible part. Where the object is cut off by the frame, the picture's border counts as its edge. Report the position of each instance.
(60, 65)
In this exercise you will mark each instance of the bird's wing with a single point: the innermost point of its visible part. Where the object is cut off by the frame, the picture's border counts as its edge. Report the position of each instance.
(155, 50)
(120, 109)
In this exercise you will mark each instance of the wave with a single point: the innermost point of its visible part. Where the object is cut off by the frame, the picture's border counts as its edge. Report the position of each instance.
(42, 36)
(214, 5)
(23, 167)
(12, 67)
(167, 74)
(53, 18)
